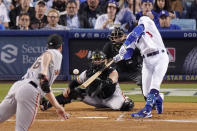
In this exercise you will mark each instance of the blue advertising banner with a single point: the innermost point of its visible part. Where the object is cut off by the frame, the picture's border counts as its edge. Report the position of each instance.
(180, 77)
(18, 51)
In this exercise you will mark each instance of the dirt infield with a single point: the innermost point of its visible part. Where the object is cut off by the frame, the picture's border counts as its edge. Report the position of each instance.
(176, 117)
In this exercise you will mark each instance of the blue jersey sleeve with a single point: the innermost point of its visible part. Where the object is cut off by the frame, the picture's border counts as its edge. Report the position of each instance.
(128, 54)
(135, 34)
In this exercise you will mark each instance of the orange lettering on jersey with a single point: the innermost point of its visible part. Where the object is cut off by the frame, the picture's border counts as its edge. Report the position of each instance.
(149, 34)
(57, 72)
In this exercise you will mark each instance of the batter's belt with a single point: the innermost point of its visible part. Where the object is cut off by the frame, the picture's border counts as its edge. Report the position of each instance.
(153, 53)
(33, 84)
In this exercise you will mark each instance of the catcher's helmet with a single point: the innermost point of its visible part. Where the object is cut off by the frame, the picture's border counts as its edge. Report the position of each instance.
(117, 32)
(97, 55)
(54, 41)
(97, 60)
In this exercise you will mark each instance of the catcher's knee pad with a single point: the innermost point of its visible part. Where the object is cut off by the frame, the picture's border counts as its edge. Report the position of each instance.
(127, 105)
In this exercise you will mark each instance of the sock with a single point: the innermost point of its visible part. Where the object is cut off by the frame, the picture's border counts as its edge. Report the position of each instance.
(150, 101)
(155, 92)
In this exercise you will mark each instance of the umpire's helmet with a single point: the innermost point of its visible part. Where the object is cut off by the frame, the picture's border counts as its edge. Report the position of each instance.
(54, 41)
(117, 32)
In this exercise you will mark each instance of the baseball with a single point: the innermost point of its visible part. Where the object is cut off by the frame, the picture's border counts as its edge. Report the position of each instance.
(75, 71)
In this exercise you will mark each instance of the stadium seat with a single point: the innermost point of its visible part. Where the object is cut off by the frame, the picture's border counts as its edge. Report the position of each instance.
(185, 24)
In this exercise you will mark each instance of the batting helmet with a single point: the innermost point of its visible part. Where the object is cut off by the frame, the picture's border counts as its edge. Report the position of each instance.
(54, 41)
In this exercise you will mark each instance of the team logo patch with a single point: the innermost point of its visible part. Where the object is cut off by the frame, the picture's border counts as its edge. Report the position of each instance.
(82, 53)
(172, 54)
(9, 53)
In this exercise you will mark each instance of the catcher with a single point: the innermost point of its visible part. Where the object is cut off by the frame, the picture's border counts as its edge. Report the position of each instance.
(129, 69)
(103, 92)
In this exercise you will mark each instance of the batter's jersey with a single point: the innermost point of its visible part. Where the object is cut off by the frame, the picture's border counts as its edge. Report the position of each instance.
(151, 39)
(53, 71)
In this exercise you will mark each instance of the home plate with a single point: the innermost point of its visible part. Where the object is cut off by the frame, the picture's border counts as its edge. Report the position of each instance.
(93, 117)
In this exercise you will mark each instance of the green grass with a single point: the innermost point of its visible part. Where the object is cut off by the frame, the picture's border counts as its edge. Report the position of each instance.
(130, 86)
(4, 90)
(189, 85)
(4, 87)
(187, 99)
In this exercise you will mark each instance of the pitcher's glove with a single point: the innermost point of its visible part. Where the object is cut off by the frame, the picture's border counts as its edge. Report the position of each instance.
(44, 83)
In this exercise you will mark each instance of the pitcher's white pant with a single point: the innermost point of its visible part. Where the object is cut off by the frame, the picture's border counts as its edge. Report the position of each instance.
(114, 102)
(153, 71)
(22, 99)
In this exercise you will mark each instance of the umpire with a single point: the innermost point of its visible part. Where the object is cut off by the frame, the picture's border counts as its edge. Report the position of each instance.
(128, 69)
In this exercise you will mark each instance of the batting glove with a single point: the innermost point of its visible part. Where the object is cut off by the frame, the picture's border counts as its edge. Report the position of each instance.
(117, 58)
(123, 50)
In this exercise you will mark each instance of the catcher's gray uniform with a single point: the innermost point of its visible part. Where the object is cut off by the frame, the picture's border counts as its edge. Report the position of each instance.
(23, 97)
(114, 102)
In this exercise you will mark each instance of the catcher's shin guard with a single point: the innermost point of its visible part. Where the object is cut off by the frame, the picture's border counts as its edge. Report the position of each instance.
(45, 104)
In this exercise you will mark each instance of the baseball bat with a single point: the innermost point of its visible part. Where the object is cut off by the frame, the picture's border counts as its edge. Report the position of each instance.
(93, 77)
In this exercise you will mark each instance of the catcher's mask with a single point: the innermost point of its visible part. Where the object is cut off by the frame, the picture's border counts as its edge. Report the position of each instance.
(115, 34)
(97, 60)
(54, 41)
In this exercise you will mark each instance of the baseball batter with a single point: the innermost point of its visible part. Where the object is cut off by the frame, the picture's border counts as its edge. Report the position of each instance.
(129, 69)
(23, 97)
(103, 92)
(147, 39)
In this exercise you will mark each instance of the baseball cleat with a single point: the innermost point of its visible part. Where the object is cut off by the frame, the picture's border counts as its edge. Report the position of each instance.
(159, 104)
(142, 114)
